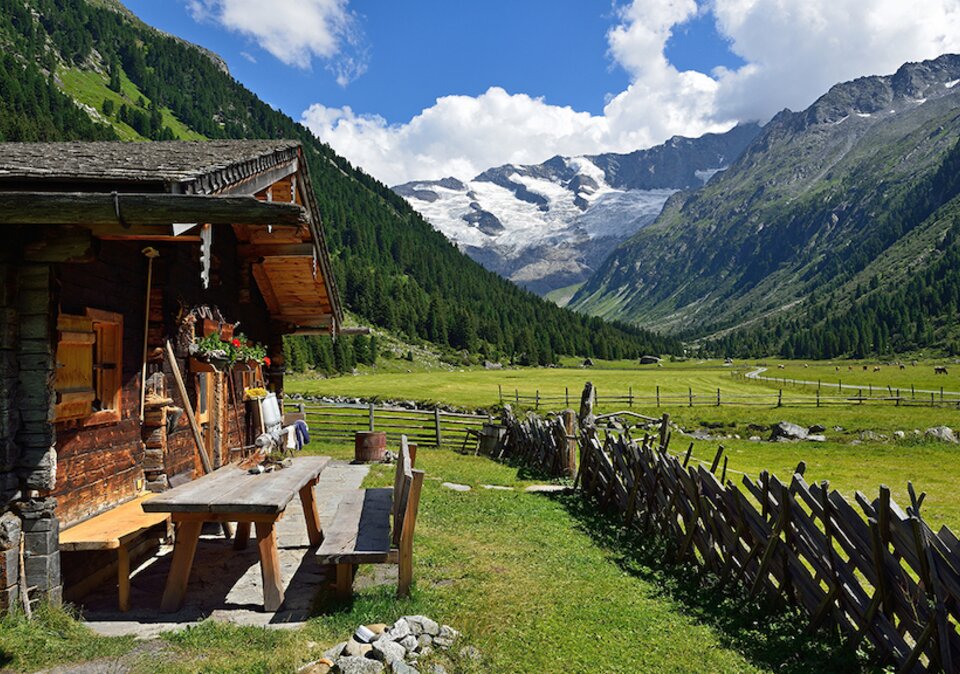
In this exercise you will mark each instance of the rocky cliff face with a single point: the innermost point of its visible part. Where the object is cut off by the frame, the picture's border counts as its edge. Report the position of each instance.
(549, 225)
(817, 197)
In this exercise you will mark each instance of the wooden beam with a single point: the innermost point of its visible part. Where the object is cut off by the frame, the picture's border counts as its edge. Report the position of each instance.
(263, 180)
(257, 250)
(58, 244)
(125, 211)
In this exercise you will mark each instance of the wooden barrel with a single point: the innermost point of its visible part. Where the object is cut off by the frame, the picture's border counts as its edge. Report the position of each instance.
(490, 437)
(369, 446)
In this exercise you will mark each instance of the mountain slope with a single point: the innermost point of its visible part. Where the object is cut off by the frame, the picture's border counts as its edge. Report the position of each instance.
(549, 225)
(393, 269)
(816, 199)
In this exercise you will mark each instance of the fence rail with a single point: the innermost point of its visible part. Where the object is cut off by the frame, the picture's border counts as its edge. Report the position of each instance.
(821, 397)
(876, 571)
(339, 421)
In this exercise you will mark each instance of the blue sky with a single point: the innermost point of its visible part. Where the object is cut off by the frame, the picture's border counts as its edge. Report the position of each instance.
(413, 89)
(419, 50)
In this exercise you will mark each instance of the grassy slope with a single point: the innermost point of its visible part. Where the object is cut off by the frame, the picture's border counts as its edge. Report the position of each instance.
(532, 581)
(90, 88)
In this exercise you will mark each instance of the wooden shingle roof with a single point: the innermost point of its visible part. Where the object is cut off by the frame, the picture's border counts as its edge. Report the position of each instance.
(191, 167)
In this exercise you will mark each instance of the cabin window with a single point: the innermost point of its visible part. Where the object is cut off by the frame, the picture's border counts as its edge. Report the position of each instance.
(89, 376)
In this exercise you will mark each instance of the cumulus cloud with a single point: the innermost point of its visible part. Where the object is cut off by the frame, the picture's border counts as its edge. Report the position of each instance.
(792, 53)
(295, 31)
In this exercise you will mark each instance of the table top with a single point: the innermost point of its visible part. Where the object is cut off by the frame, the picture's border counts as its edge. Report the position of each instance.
(233, 490)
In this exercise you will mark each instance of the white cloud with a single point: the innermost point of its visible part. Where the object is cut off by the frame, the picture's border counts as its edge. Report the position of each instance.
(793, 52)
(295, 31)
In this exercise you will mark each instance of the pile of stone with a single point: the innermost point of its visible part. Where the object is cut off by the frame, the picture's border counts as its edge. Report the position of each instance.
(400, 648)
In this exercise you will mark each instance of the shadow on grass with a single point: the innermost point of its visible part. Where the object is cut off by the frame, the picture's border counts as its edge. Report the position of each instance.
(770, 637)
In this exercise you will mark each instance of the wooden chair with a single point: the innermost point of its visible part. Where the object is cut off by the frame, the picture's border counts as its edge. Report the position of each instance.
(114, 529)
(360, 532)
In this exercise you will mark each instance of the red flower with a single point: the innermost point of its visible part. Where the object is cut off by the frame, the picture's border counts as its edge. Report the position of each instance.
(236, 343)
(266, 361)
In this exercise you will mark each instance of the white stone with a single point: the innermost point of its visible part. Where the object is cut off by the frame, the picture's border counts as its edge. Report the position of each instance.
(455, 487)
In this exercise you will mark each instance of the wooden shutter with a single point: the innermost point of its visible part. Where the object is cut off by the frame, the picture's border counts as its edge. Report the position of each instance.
(74, 380)
(107, 365)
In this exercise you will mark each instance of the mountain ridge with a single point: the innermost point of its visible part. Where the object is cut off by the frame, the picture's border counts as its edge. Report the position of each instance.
(548, 225)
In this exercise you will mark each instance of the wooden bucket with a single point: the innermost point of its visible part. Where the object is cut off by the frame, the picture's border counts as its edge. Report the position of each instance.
(490, 436)
(369, 446)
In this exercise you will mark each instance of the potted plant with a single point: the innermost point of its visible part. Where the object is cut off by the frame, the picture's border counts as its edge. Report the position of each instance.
(211, 354)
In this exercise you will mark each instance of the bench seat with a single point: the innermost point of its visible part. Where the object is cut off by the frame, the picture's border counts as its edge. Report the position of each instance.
(114, 529)
(362, 532)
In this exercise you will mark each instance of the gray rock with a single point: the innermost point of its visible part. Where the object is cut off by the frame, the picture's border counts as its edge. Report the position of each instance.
(899, 435)
(817, 428)
(455, 487)
(421, 624)
(941, 433)
(425, 640)
(839, 429)
(334, 652)
(399, 630)
(785, 431)
(355, 649)
(409, 642)
(446, 637)
(872, 436)
(816, 437)
(348, 665)
(755, 438)
(437, 669)
(387, 651)
(546, 488)
(400, 667)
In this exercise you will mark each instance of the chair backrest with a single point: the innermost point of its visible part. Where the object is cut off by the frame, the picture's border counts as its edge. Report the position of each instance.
(411, 486)
(403, 473)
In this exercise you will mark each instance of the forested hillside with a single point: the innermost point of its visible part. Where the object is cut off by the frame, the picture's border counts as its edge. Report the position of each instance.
(393, 269)
(828, 237)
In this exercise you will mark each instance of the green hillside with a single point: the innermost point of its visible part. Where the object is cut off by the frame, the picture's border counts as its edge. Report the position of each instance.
(826, 237)
(129, 81)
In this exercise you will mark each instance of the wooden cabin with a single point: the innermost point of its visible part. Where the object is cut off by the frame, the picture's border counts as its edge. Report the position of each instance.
(220, 237)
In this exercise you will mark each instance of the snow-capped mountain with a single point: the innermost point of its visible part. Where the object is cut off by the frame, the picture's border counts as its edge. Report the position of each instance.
(548, 226)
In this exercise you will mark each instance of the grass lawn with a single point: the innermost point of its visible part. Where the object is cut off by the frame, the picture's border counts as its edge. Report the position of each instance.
(537, 582)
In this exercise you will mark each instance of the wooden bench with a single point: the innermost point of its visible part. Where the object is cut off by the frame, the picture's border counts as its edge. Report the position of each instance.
(360, 532)
(114, 529)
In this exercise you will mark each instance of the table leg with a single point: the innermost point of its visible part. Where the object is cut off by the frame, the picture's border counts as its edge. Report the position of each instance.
(311, 515)
(123, 577)
(188, 534)
(269, 566)
(242, 537)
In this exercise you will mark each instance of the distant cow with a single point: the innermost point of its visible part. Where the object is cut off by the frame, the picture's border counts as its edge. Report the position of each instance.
(902, 366)
(805, 365)
(849, 368)
(836, 368)
(876, 368)
(780, 367)
(864, 368)
(940, 369)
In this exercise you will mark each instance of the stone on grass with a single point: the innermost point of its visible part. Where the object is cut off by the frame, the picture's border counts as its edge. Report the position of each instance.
(785, 431)
(498, 487)
(399, 630)
(387, 651)
(400, 667)
(755, 438)
(355, 649)
(446, 637)
(538, 488)
(816, 437)
(941, 433)
(899, 435)
(455, 487)
(348, 665)
(817, 428)
(425, 640)
(437, 669)
(409, 642)
(421, 624)
(334, 652)
(872, 436)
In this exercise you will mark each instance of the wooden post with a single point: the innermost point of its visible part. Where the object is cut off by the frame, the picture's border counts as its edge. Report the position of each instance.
(536, 405)
(941, 394)
(870, 390)
(690, 396)
(818, 396)
(570, 427)
(664, 428)
(913, 393)
(630, 396)
(516, 392)
(898, 397)
(370, 413)
(436, 419)
(500, 391)
(658, 396)
(566, 395)
(718, 397)
(188, 408)
(780, 398)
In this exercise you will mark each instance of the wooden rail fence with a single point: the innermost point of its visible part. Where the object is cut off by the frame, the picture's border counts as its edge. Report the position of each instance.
(875, 570)
(339, 422)
(549, 445)
(820, 397)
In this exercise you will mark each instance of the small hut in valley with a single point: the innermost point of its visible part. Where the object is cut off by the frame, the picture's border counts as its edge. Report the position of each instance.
(123, 267)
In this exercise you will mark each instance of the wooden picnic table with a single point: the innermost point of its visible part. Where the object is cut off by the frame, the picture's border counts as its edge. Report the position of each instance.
(231, 494)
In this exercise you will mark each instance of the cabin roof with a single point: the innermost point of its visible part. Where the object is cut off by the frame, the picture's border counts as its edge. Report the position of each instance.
(178, 166)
